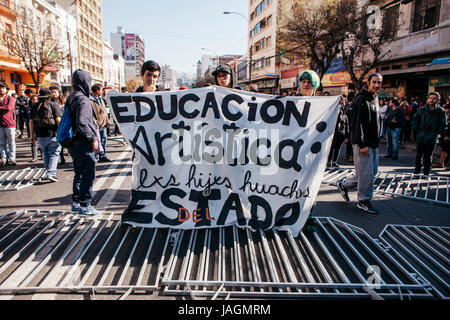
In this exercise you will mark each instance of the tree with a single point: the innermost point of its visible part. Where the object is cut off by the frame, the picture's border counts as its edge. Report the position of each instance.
(35, 42)
(320, 30)
(362, 47)
(315, 30)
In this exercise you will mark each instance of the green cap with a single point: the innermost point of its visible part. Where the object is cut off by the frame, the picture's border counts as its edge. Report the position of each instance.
(311, 76)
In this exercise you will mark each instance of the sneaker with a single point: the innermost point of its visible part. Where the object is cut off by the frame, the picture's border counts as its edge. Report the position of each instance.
(335, 165)
(89, 211)
(75, 207)
(367, 207)
(33, 160)
(343, 190)
(12, 163)
(44, 177)
(53, 178)
(104, 160)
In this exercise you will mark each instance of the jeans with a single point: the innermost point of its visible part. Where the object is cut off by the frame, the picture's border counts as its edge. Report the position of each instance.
(383, 127)
(50, 151)
(8, 144)
(425, 151)
(84, 166)
(103, 139)
(392, 141)
(366, 167)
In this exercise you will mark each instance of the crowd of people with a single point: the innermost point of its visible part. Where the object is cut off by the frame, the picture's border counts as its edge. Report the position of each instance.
(363, 121)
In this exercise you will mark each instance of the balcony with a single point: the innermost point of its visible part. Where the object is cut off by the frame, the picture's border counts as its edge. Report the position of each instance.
(7, 9)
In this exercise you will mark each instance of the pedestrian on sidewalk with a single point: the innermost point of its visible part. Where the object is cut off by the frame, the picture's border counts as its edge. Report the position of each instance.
(365, 135)
(428, 124)
(7, 127)
(101, 118)
(84, 143)
(45, 116)
(395, 119)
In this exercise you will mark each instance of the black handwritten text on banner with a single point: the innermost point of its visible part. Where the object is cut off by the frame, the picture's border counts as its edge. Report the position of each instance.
(213, 157)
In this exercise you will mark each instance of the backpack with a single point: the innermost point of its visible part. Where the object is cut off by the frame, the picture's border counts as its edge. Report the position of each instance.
(99, 114)
(64, 134)
(44, 116)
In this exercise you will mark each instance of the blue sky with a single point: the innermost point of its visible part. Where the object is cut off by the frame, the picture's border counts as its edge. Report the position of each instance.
(174, 31)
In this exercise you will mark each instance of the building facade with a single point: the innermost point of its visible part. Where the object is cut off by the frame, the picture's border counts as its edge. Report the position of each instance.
(114, 68)
(418, 60)
(11, 70)
(88, 14)
(262, 47)
(131, 47)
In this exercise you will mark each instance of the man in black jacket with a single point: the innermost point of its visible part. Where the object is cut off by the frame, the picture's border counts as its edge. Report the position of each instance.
(84, 143)
(365, 133)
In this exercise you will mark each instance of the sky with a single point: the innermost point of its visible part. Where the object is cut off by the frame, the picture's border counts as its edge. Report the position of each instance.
(174, 31)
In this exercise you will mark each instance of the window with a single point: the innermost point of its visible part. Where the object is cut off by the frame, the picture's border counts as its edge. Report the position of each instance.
(426, 14)
(390, 21)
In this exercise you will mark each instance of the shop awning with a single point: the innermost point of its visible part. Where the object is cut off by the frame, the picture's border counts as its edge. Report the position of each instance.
(440, 61)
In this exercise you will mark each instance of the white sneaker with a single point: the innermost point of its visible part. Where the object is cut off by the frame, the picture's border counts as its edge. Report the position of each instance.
(89, 211)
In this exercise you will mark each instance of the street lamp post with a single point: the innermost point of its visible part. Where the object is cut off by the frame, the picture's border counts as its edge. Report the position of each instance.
(251, 44)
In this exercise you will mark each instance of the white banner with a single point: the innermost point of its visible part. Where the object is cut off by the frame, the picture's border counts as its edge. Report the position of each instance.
(214, 157)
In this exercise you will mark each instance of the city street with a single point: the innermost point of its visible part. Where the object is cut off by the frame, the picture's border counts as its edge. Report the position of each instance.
(112, 192)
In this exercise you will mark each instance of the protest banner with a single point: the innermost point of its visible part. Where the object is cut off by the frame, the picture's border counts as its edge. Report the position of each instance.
(213, 157)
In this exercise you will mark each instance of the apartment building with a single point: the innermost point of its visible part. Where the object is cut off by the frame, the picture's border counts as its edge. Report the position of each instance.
(131, 47)
(418, 60)
(89, 34)
(262, 46)
(11, 70)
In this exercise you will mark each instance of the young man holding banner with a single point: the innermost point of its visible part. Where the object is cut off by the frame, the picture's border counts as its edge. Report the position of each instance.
(223, 76)
(150, 72)
(365, 132)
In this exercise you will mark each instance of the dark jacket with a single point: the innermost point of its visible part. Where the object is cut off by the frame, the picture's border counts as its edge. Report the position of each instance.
(429, 124)
(81, 109)
(398, 115)
(342, 126)
(365, 120)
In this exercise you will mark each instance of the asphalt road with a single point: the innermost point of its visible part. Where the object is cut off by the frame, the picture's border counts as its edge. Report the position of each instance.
(112, 192)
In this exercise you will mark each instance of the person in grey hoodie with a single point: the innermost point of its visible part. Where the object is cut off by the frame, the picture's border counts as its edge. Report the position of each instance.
(84, 143)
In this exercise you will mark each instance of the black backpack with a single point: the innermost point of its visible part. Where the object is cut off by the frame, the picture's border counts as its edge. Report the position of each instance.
(44, 117)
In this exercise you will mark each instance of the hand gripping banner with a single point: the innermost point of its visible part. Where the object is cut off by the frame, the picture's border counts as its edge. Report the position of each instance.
(213, 157)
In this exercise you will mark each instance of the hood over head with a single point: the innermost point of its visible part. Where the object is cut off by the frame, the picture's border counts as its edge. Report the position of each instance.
(81, 81)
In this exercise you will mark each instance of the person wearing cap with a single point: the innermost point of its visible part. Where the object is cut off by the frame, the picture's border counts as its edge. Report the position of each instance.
(223, 75)
(7, 127)
(45, 116)
(308, 82)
